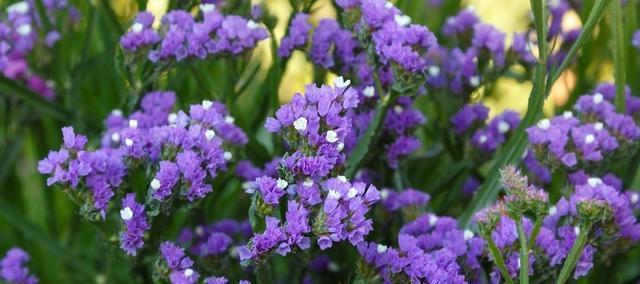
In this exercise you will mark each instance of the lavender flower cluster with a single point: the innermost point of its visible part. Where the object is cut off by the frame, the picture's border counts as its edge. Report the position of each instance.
(13, 270)
(182, 151)
(486, 138)
(20, 30)
(180, 36)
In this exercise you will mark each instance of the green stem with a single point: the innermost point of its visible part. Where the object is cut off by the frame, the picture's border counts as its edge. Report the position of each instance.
(535, 232)
(574, 255)
(619, 54)
(524, 253)
(497, 258)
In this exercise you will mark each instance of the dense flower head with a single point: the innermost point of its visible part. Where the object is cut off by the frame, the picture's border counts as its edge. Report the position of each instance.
(297, 36)
(460, 24)
(13, 270)
(181, 36)
(521, 196)
(179, 264)
(21, 32)
(469, 116)
(489, 138)
(214, 239)
(135, 224)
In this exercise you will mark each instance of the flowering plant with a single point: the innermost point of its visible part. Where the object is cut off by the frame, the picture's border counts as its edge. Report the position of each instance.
(174, 145)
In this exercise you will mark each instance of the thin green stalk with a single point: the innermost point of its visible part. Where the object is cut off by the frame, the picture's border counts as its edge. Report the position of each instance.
(524, 253)
(535, 232)
(10, 88)
(574, 255)
(497, 258)
(619, 55)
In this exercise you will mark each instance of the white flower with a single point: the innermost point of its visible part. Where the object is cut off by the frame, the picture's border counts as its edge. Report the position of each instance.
(137, 27)
(342, 178)
(188, 272)
(24, 29)
(634, 198)
(474, 81)
(369, 91)
(589, 139)
(331, 136)
(553, 210)
(384, 194)
(388, 5)
(468, 234)
(434, 71)
(252, 25)
(567, 114)
(482, 139)
(544, 124)
(209, 134)
(155, 184)
(172, 118)
(115, 137)
(598, 126)
(433, 219)
(597, 98)
(352, 192)
(334, 194)
(593, 182)
(398, 109)
(308, 183)
(126, 214)
(206, 104)
(128, 142)
(21, 7)
(300, 124)
(341, 83)
(503, 127)
(116, 112)
(206, 8)
(227, 155)
(402, 20)
(133, 123)
(340, 146)
(576, 230)
(381, 248)
(281, 184)
(229, 119)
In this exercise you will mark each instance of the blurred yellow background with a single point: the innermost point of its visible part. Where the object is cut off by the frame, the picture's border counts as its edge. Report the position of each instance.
(510, 16)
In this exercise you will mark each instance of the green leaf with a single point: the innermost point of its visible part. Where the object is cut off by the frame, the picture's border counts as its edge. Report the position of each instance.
(11, 88)
(619, 54)
(574, 255)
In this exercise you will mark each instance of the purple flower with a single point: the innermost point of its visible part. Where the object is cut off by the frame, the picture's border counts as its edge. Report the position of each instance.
(13, 270)
(468, 116)
(135, 222)
(179, 264)
(166, 178)
(297, 36)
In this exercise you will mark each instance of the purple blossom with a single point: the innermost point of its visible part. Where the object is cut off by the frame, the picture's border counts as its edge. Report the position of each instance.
(135, 222)
(297, 36)
(180, 265)
(468, 116)
(13, 270)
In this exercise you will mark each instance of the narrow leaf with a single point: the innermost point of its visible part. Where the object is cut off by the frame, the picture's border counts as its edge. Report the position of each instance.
(10, 88)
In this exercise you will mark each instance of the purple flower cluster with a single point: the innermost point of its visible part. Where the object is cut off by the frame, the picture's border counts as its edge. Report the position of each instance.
(181, 36)
(215, 239)
(597, 131)
(19, 36)
(393, 200)
(430, 249)
(135, 224)
(485, 138)
(179, 264)
(13, 270)
(297, 36)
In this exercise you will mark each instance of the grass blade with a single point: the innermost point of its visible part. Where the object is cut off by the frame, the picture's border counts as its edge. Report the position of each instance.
(619, 54)
(11, 88)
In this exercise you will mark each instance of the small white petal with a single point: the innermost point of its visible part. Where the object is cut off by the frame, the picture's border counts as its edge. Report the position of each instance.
(369, 91)
(341, 83)
(188, 272)
(342, 178)
(384, 194)
(402, 20)
(248, 187)
(503, 127)
(433, 219)
(206, 8)
(576, 230)
(468, 234)
(553, 210)
(300, 124)
(128, 142)
(308, 183)
(589, 139)
(21, 7)
(567, 114)
(199, 231)
(133, 123)
(206, 104)
(593, 182)
(381, 248)
(155, 184)
(252, 25)
(331, 136)
(281, 184)
(434, 71)
(598, 126)
(137, 27)
(334, 194)
(333, 267)
(209, 134)
(126, 214)
(227, 156)
(634, 198)
(229, 119)
(474, 81)
(340, 146)
(172, 118)
(597, 98)
(116, 112)
(388, 5)
(483, 138)
(398, 109)
(115, 137)
(24, 29)
(352, 192)
(544, 124)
